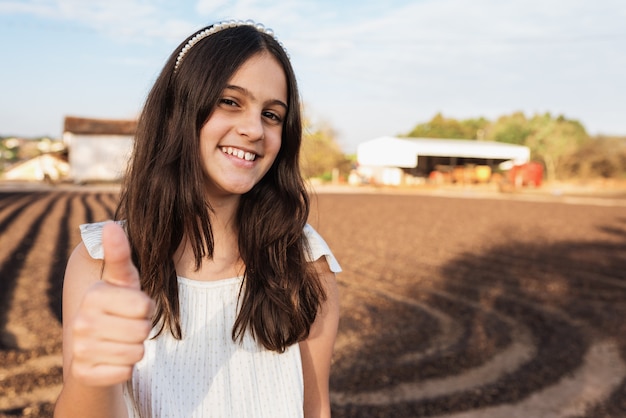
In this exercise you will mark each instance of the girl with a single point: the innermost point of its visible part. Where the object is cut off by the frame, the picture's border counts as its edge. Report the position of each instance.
(216, 299)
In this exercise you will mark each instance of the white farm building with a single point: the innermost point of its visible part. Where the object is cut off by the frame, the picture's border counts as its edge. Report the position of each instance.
(394, 161)
(99, 149)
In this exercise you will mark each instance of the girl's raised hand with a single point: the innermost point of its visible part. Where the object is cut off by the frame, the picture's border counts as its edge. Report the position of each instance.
(114, 318)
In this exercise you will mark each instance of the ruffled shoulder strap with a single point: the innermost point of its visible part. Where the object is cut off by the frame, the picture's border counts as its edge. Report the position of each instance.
(92, 238)
(318, 248)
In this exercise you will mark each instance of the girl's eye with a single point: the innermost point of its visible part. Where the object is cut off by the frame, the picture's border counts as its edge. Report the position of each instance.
(273, 116)
(228, 102)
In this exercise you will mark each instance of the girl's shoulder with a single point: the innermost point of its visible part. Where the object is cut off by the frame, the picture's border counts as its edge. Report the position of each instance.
(318, 248)
(91, 235)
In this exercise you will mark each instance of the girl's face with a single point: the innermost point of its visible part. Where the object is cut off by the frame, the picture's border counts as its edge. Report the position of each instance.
(241, 139)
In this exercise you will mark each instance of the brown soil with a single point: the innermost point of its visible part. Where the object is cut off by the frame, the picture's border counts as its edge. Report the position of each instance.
(479, 305)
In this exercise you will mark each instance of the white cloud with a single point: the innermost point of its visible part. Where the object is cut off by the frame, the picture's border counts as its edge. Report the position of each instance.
(261, 11)
(36, 8)
(133, 21)
(210, 7)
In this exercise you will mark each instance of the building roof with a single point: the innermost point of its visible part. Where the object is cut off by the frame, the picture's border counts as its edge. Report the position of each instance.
(52, 165)
(89, 126)
(403, 152)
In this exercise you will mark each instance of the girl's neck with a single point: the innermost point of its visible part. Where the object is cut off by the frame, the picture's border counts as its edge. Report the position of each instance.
(223, 216)
(225, 262)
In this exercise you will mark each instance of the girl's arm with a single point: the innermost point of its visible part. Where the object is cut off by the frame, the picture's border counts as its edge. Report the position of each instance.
(104, 325)
(317, 349)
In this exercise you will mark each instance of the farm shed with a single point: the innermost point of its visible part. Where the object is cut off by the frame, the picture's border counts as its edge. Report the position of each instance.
(98, 149)
(390, 160)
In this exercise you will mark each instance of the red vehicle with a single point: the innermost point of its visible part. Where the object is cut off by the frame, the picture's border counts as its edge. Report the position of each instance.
(529, 174)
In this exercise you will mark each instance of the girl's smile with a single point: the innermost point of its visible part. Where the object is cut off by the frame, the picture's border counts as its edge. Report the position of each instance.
(239, 153)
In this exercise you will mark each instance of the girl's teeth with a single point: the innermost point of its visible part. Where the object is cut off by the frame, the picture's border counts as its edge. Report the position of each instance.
(248, 156)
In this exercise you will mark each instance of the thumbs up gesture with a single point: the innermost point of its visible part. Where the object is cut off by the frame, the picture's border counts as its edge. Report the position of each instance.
(119, 269)
(114, 318)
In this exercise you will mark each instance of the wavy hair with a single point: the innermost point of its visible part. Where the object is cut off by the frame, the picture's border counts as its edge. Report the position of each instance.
(163, 198)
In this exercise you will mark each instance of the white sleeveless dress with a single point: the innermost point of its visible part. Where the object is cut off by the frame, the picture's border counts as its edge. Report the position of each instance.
(206, 374)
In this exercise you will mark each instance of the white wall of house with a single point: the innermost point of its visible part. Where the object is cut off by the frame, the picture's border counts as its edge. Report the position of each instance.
(98, 157)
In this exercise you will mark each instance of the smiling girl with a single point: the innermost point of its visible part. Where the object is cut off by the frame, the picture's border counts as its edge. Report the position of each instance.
(210, 296)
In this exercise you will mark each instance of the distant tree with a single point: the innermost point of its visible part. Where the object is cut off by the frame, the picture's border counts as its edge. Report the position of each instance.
(553, 140)
(9, 152)
(511, 129)
(320, 153)
(475, 128)
(441, 127)
(601, 157)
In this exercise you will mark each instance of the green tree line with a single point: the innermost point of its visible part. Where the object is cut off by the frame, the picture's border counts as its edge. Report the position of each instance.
(562, 145)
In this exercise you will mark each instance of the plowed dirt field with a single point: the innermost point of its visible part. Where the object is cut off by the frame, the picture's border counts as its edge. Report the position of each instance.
(456, 307)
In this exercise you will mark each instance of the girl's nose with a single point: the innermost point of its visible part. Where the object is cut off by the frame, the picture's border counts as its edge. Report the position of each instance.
(251, 126)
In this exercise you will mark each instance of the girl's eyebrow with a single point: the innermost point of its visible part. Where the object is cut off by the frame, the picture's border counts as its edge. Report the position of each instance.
(249, 94)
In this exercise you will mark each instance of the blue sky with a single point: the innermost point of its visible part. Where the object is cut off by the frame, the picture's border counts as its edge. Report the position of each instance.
(366, 68)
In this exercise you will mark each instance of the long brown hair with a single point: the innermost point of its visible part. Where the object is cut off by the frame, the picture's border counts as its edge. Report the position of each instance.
(163, 199)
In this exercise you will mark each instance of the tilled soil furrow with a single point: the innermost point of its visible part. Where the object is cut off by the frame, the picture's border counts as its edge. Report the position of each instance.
(10, 212)
(108, 202)
(9, 198)
(451, 307)
(17, 243)
(33, 274)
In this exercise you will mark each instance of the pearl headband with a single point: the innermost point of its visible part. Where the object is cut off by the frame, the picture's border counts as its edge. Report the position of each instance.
(217, 28)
